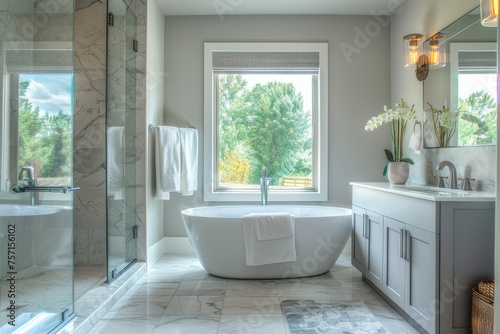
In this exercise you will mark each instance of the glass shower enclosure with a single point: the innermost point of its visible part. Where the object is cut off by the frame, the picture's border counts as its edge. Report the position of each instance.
(36, 163)
(121, 129)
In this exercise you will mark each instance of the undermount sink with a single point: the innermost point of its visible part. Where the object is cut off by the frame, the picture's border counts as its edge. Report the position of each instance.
(433, 190)
(17, 210)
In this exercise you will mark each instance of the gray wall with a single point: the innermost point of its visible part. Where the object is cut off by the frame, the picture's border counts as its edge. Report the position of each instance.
(155, 101)
(359, 87)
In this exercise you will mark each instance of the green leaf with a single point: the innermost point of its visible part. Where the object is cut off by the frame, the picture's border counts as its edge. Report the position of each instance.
(385, 168)
(389, 155)
(408, 160)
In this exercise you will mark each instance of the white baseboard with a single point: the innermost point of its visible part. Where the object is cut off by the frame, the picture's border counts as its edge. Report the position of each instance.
(177, 245)
(155, 252)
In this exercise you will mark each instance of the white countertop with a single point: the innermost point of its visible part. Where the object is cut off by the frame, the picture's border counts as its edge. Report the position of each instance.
(428, 192)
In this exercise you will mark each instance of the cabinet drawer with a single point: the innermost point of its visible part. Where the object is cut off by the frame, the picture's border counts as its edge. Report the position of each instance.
(413, 211)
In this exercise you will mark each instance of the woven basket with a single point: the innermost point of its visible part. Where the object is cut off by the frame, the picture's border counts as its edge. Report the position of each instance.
(487, 287)
(482, 313)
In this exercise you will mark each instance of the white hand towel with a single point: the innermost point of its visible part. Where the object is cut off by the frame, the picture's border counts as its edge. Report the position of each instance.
(168, 161)
(267, 251)
(273, 225)
(189, 160)
(114, 163)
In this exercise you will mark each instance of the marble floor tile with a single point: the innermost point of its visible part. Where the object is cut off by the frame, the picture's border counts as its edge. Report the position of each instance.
(145, 290)
(125, 324)
(251, 288)
(300, 288)
(178, 296)
(188, 324)
(251, 305)
(252, 323)
(195, 305)
(142, 305)
(201, 288)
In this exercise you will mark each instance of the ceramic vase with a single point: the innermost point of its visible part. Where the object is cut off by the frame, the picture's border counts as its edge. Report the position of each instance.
(398, 172)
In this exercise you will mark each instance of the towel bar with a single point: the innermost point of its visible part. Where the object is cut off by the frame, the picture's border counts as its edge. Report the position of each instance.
(152, 128)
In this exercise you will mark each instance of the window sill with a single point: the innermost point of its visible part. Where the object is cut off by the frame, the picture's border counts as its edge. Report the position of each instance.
(273, 196)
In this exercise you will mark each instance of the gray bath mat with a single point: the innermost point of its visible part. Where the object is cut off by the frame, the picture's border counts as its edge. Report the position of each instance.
(330, 317)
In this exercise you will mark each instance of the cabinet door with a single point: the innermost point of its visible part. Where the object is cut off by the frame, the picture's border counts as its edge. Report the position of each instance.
(358, 241)
(374, 235)
(421, 279)
(394, 285)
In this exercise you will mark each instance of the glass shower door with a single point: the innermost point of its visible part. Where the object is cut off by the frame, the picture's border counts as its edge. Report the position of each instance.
(36, 155)
(121, 129)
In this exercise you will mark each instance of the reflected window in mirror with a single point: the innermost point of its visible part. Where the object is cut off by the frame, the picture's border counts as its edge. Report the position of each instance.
(465, 88)
(40, 125)
(475, 92)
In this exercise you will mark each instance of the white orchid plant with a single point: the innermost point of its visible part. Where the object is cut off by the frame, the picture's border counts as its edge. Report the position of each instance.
(445, 123)
(398, 120)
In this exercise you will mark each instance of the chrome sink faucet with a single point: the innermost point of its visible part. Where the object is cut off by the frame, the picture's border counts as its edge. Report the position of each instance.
(264, 186)
(453, 172)
(27, 175)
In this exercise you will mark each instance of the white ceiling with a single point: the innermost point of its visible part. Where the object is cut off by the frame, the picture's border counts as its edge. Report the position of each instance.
(248, 7)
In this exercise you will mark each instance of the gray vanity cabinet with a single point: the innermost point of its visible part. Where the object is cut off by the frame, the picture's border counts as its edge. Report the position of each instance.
(467, 256)
(410, 270)
(367, 244)
(394, 285)
(421, 276)
(358, 240)
(432, 253)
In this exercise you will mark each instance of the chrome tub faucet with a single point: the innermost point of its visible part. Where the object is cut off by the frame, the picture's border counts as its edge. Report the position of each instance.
(264, 186)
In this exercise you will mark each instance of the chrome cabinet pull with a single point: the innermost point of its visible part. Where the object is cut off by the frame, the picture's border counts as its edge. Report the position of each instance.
(408, 246)
(367, 227)
(401, 242)
(364, 225)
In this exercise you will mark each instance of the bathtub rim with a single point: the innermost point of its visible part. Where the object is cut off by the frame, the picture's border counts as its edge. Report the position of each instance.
(348, 211)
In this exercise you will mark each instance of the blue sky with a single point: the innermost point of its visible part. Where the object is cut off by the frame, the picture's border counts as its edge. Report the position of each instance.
(473, 82)
(50, 92)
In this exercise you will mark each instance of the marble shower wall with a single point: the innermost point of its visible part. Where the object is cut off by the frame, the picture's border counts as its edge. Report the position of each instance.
(90, 131)
(89, 157)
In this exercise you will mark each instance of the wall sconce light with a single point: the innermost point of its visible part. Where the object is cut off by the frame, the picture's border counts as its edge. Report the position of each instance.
(414, 55)
(489, 13)
(437, 57)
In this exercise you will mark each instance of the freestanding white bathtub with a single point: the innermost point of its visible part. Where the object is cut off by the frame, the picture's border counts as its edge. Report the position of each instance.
(216, 235)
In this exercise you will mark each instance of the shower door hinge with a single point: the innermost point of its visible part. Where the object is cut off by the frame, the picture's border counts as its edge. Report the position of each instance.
(111, 19)
(134, 232)
(66, 314)
(135, 45)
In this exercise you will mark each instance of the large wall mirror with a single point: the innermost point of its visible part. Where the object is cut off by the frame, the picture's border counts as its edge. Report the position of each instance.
(462, 94)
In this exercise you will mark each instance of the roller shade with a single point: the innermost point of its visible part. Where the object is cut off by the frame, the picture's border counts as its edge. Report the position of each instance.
(234, 62)
(477, 60)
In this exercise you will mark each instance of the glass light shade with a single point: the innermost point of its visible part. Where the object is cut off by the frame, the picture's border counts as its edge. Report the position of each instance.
(412, 49)
(437, 57)
(489, 13)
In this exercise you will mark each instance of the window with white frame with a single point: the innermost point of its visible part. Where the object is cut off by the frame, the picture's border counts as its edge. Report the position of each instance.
(266, 107)
(473, 79)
